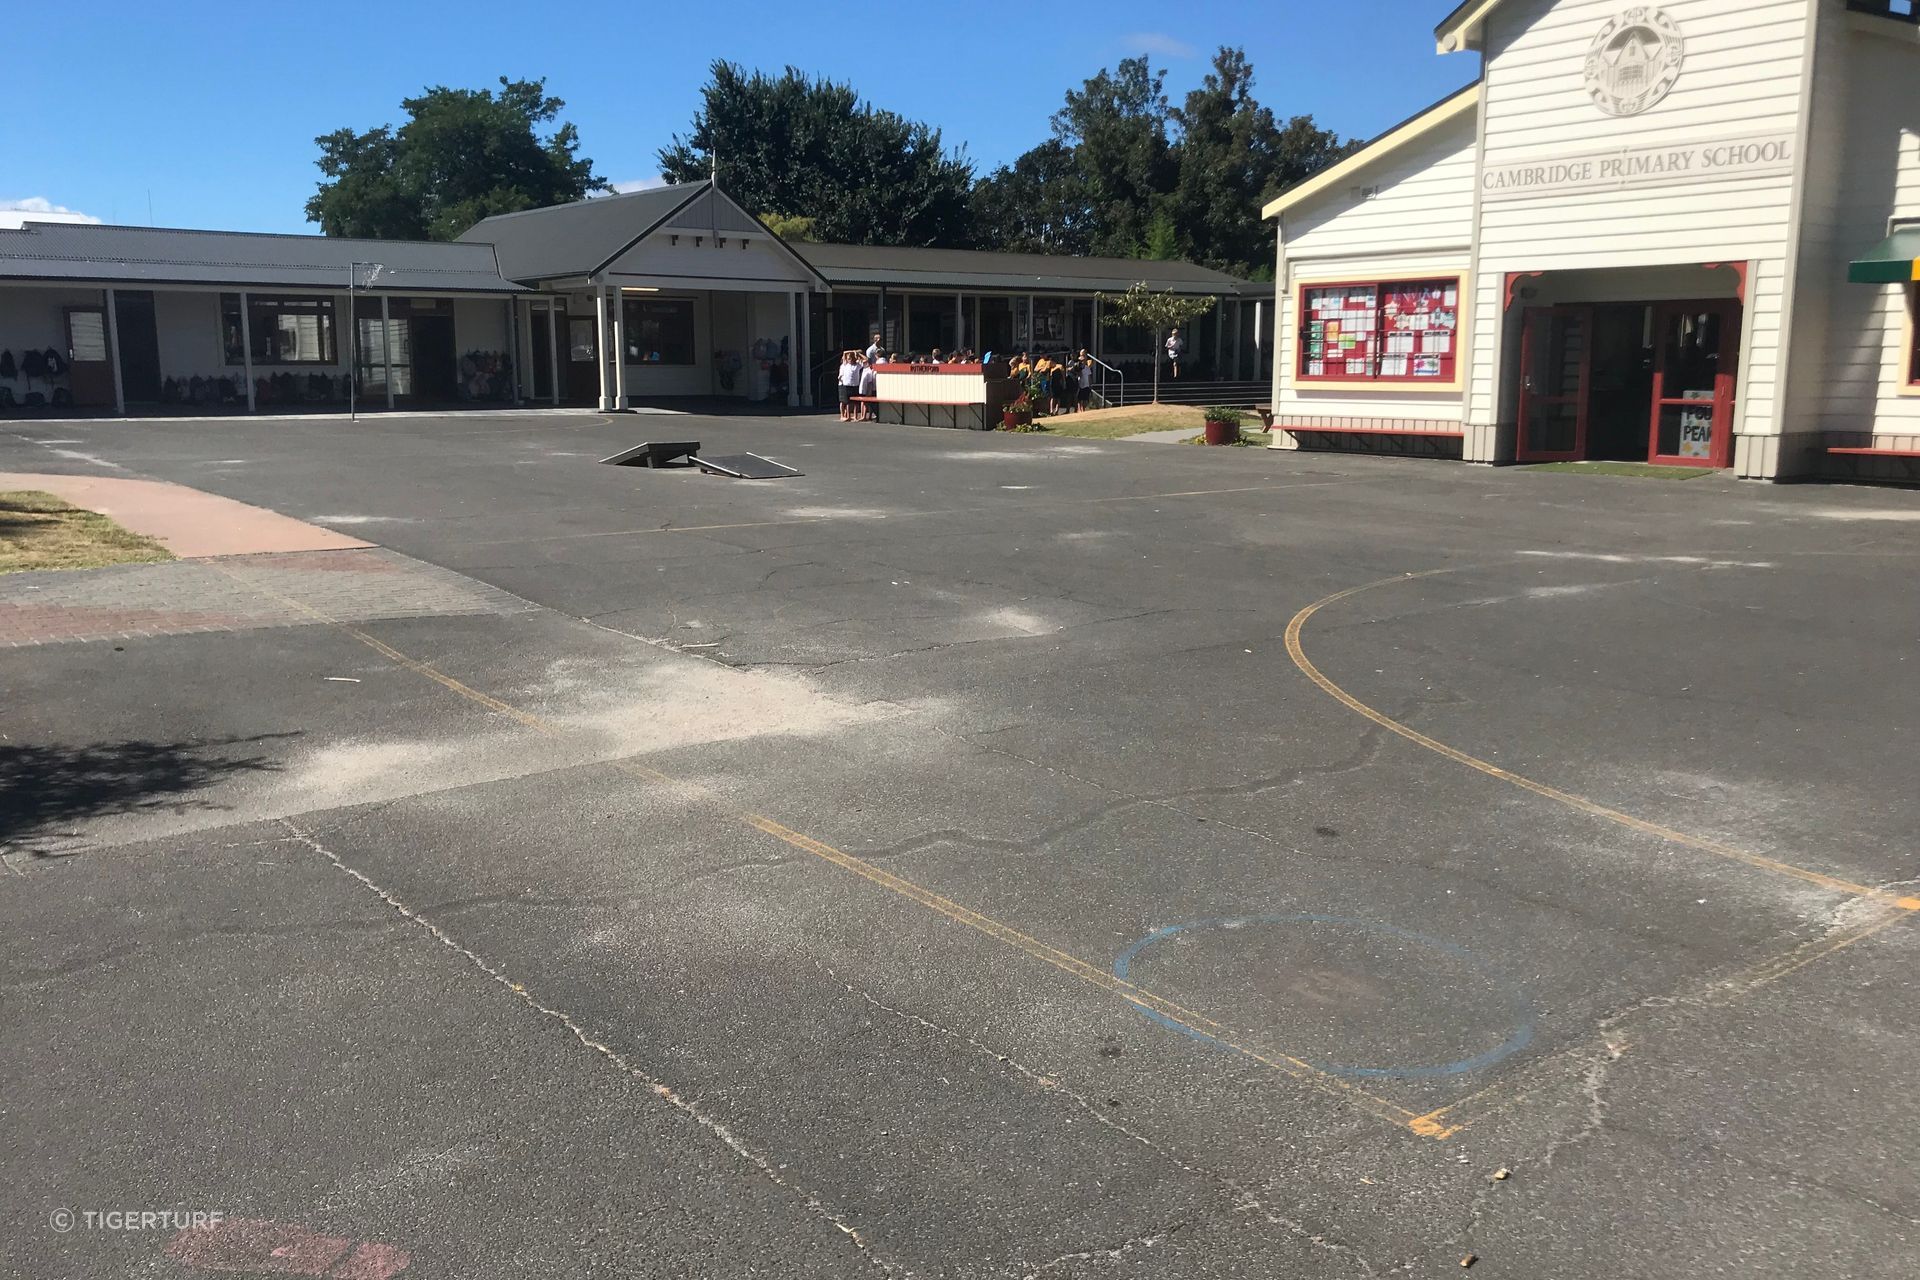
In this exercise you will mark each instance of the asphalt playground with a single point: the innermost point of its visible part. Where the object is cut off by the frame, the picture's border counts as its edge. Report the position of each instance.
(979, 856)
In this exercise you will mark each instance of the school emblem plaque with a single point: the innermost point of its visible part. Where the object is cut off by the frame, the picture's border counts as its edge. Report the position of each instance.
(1634, 61)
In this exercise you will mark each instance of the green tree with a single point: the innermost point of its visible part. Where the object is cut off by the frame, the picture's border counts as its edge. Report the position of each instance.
(1163, 238)
(792, 146)
(1116, 126)
(1231, 157)
(788, 228)
(1141, 307)
(462, 155)
(1038, 204)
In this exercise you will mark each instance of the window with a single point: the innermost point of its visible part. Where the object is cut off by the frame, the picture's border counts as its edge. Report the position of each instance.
(284, 330)
(1913, 336)
(659, 331)
(1380, 331)
(580, 339)
(1898, 10)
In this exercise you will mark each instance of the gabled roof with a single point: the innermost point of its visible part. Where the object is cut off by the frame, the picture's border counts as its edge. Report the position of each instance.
(1455, 104)
(1462, 28)
(167, 255)
(867, 266)
(579, 238)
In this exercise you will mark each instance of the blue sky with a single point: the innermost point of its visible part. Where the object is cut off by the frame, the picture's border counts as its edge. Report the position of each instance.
(209, 108)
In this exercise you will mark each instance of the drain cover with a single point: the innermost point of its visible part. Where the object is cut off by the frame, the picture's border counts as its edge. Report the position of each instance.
(744, 466)
(656, 453)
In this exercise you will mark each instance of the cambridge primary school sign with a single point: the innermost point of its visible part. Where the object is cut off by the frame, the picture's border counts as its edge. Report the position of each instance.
(1640, 166)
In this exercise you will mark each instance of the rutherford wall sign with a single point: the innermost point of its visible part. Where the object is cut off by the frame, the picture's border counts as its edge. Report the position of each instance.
(1639, 167)
(1634, 61)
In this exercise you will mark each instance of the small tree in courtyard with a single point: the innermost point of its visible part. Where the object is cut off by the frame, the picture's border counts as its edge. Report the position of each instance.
(1140, 307)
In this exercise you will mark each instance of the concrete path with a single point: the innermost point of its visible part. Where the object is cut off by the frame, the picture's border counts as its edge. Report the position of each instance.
(1177, 435)
(188, 522)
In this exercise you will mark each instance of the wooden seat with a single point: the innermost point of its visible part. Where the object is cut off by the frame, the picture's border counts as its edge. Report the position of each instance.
(1378, 431)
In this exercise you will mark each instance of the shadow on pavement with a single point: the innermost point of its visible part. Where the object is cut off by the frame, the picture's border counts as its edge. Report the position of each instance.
(45, 788)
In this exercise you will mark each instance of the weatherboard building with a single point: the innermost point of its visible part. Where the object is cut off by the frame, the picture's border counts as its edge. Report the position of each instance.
(1683, 233)
(611, 302)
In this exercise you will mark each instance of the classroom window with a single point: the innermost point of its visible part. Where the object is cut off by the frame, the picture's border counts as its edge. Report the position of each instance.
(284, 330)
(659, 331)
(1913, 335)
(1400, 331)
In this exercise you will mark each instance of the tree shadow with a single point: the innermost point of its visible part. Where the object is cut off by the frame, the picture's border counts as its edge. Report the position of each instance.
(44, 789)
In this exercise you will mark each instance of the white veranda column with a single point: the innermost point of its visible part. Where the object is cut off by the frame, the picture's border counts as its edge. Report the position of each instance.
(600, 344)
(619, 350)
(246, 350)
(805, 302)
(113, 354)
(795, 371)
(553, 350)
(386, 344)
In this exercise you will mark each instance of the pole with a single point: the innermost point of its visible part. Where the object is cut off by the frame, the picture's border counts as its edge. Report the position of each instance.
(353, 351)
(600, 344)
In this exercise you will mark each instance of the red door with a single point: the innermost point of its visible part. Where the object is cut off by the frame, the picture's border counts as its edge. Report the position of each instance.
(1556, 365)
(1696, 351)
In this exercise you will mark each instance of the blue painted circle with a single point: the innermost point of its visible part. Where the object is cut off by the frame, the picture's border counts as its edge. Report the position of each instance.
(1521, 1035)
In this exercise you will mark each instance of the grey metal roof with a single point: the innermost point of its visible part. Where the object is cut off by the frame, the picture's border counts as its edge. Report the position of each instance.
(853, 265)
(165, 255)
(576, 239)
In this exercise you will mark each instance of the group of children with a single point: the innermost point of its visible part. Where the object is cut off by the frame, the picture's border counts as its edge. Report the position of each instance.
(1053, 386)
(1060, 386)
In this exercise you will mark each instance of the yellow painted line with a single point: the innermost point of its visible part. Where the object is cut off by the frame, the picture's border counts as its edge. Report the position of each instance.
(1296, 1068)
(1581, 803)
(1073, 965)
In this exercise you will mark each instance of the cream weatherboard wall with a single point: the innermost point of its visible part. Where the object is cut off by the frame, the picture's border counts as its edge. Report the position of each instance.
(1742, 79)
(1853, 382)
(1405, 216)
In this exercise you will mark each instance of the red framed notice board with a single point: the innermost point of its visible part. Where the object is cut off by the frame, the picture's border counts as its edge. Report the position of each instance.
(1381, 331)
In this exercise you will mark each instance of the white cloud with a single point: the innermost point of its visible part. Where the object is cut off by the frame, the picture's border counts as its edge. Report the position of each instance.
(38, 209)
(640, 184)
(1159, 42)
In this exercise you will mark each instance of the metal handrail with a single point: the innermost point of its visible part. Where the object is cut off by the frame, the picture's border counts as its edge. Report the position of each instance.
(1106, 369)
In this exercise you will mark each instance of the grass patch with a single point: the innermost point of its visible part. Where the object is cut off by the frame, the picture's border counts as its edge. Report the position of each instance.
(1117, 424)
(39, 531)
(1646, 469)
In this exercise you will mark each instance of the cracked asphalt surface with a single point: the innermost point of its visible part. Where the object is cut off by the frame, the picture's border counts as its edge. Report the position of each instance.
(937, 866)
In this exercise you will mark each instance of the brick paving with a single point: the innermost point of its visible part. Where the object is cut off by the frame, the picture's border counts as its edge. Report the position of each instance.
(236, 593)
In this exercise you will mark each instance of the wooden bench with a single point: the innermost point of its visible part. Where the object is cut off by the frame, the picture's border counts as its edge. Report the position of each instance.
(1893, 466)
(1378, 431)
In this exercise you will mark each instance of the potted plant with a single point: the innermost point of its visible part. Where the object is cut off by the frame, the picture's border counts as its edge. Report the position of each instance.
(1223, 424)
(1011, 411)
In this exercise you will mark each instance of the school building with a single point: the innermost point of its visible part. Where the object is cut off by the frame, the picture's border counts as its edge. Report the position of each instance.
(1683, 233)
(646, 297)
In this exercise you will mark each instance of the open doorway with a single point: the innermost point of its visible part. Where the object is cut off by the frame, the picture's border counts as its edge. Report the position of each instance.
(435, 361)
(1622, 382)
(1629, 382)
